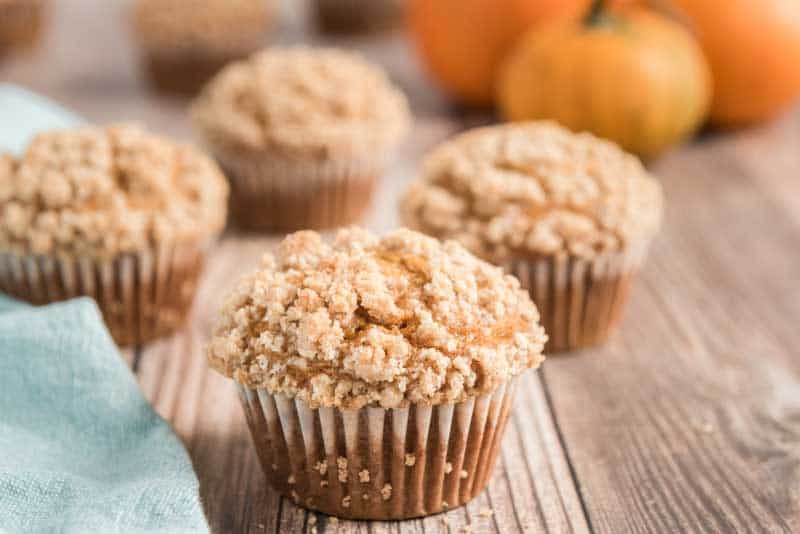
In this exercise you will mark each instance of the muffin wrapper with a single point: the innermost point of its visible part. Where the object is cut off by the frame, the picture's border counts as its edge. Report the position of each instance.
(20, 23)
(346, 16)
(142, 296)
(291, 438)
(184, 75)
(580, 300)
(276, 194)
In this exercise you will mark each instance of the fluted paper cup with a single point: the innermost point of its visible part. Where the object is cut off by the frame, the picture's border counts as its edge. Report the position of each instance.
(183, 74)
(142, 296)
(376, 463)
(276, 194)
(580, 300)
(356, 16)
(20, 23)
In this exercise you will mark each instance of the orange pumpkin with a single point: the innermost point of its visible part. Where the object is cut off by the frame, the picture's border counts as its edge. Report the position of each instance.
(634, 76)
(753, 47)
(462, 42)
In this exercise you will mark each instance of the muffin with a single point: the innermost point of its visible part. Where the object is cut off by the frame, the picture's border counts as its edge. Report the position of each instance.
(303, 134)
(186, 42)
(113, 213)
(358, 16)
(569, 214)
(377, 375)
(20, 23)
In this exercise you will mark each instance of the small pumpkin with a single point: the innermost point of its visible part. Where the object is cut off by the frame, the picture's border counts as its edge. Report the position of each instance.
(753, 47)
(461, 42)
(633, 76)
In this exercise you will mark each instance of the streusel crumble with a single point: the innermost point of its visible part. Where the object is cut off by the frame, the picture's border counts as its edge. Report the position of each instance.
(534, 188)
(303, 102)
(376, 321)
(101, 191)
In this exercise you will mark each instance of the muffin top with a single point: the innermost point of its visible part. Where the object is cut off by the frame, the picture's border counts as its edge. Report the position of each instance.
(302, 103)
(376, 321)
(101, 191)
(201, 26)
(534, 188)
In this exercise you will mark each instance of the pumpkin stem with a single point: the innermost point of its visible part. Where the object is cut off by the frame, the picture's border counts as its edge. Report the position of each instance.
(595, 14)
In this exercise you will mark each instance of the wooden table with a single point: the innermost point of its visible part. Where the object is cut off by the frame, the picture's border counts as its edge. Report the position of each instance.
(688, 420)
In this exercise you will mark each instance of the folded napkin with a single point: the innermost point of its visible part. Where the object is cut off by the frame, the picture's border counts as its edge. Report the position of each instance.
(80, 448)
(24, 114)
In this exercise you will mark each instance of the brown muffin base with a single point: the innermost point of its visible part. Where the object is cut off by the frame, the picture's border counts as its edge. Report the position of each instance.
(183, 75)
(580, 301)
(380, 464)
(358, 16)
(141, 296)
(20, 24)
(273, 195)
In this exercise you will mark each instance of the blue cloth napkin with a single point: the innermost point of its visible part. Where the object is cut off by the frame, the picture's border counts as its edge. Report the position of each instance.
(24, 114)
(80, 448)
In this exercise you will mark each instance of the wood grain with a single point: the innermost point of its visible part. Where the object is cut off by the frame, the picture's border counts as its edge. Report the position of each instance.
(687, 421)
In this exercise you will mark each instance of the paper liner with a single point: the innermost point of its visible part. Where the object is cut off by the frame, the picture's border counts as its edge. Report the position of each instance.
(580, 301)
(353, 16)
(20, 23)
(184, 75)
(291, 439)
(276, 194)
(142, 296)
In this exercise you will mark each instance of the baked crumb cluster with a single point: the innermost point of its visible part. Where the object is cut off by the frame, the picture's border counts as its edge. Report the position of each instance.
(100, 191)
(303, 102)
(534, 188)
(207, 26)
(376, 321)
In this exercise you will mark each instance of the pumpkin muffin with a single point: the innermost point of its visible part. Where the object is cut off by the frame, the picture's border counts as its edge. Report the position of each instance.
(186, 42)
(303, 135)
(570, 215)
(20, 23)
(358, 16)
(113, 213)
(377, 374)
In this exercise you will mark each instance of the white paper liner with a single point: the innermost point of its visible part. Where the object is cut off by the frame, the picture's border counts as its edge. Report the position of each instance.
(278, 194)
(291, 439)
(142, 296)
(580, 301)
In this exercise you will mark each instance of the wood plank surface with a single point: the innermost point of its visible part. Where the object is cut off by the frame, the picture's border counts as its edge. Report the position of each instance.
(688, 420)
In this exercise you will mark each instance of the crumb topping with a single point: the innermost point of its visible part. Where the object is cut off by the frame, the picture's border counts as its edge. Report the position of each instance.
(201, 26)
(534, 188)
(302, 102)
(376, 321)
(322, 467)
(100, 191)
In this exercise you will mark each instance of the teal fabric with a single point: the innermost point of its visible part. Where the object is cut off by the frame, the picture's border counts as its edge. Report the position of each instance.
(80, 449)
(24, 114)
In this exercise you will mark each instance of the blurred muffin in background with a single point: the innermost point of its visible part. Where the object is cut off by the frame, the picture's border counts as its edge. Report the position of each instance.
(113, 213)
(358, 16)
(303, 135)
(20, 23)
(571, 215)
(185, 42)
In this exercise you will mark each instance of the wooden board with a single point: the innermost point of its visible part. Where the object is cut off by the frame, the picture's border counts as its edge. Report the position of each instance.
(687, 421)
